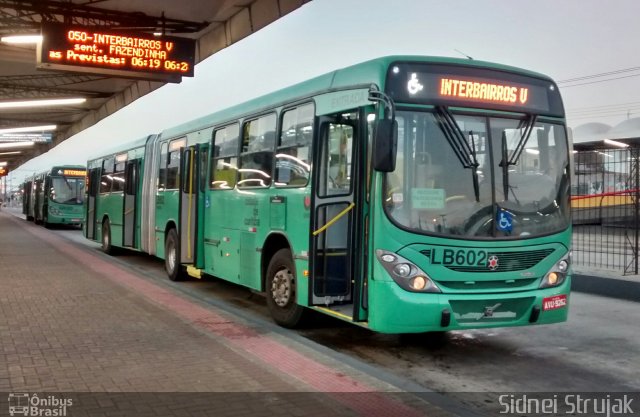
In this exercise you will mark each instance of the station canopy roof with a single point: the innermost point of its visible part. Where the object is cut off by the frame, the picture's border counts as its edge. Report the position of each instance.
(590, 136)
(207, 25)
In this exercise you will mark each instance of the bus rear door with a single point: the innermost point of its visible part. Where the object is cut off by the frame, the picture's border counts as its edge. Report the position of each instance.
(129, 215)
(94, 186)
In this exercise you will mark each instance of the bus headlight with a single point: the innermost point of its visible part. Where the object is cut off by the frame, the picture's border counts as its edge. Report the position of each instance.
(406, 274)
(558, 273)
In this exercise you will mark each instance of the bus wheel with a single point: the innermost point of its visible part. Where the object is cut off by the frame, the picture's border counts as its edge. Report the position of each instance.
(106, 238)
(172, 256)
(281, 290)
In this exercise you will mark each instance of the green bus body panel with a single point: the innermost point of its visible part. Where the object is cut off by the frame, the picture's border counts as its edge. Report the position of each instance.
(109, 206)
(239, 227)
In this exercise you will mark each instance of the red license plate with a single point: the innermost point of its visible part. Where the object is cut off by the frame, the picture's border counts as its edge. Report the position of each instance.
(552, 303)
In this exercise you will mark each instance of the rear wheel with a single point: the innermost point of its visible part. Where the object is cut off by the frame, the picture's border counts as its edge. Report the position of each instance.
(282, 290)
(172, 257)
(106, 238)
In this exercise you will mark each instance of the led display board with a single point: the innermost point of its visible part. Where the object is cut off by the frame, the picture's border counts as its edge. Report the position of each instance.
(463, 86)
(26, 137)
(3, 171)
(116, 53)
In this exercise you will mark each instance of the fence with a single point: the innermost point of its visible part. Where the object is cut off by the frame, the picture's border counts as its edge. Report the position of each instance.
(605, 197)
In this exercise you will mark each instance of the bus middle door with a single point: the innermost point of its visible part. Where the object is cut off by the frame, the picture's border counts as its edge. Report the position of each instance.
(191, 198)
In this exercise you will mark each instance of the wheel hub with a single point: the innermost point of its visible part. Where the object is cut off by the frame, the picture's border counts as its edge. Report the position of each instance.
(282, 287)
(171, 257)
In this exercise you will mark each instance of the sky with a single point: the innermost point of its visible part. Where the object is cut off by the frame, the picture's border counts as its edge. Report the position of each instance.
(564, 39)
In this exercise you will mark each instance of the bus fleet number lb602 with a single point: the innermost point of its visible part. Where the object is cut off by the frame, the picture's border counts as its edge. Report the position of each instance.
(457, 257)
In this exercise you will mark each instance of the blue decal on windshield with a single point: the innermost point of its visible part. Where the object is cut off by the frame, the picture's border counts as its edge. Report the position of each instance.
(504, 221)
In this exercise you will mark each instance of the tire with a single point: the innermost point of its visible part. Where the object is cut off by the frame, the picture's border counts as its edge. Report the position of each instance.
(172, 257)
(281, 290)
(107, 247)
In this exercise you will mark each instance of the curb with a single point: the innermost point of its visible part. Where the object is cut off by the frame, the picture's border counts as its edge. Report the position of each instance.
(607, 287)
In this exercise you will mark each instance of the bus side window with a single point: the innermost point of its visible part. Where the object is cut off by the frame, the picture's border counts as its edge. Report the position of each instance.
(118, 178)
(162, 169)
(256, 160)
(224, 158)
(173, 169)
(107, 176)
(293, 156)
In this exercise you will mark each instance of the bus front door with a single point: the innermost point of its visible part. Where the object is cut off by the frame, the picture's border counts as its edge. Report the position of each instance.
(94, 186)
(131, 175)
(190, 199)
(334, 217)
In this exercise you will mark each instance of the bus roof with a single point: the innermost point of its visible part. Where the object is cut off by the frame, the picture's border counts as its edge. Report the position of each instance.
(364, 73)
(127, 146)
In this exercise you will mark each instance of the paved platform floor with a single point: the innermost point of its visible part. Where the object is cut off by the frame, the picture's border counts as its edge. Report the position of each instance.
(72, 321)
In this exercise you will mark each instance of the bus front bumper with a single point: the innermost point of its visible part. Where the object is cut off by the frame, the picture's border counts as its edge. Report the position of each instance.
(394, 310)
(66, 219)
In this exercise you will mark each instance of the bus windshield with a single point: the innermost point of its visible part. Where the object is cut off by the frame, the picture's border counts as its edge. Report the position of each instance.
(477, 176)
(67, 190)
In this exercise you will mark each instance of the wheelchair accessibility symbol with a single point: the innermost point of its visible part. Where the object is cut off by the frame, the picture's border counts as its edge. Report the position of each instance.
(504, 221)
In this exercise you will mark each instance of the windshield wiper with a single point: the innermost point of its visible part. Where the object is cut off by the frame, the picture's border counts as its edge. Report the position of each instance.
(504, 164)
(526, 126)
(524, 138)
(465, 153)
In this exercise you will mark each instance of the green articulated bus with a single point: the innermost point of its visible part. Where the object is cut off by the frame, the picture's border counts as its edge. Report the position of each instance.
(404, 194)
(55, 196)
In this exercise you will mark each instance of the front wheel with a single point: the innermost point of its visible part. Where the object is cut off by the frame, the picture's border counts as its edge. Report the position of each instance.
(172, 256)
(282, 290)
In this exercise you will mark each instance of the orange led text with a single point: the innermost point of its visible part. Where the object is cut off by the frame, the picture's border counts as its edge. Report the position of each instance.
(483, 91)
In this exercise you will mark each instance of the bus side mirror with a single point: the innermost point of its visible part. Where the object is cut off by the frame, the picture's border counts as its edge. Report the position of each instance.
(385, 145)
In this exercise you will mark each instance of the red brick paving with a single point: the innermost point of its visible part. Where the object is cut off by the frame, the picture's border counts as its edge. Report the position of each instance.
(72, 321)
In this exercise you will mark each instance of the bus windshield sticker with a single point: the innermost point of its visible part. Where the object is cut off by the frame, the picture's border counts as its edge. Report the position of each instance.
(427, 198)
(504, 221)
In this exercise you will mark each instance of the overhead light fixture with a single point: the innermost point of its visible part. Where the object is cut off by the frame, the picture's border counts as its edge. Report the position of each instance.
(532, 151)
(10, 153)
(615, 143)
(3, 164)
(28, 129)
(41, 103)
(8, 145)
(21, 39)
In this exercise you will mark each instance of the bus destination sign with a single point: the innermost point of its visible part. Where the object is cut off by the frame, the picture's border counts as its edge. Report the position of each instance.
(451, 85)
(110, 52)
(483, 91)
(74, 173)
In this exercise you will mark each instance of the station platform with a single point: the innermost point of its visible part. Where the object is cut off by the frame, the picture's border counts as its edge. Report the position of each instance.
(78, 326)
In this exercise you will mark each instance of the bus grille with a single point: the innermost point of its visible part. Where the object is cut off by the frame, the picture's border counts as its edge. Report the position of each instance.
(507, 261)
